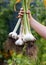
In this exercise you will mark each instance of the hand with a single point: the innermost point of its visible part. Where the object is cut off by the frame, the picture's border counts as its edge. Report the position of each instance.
(21, 13)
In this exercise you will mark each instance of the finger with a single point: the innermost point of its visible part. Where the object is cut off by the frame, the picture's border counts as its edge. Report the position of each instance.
(28, 12)
(19, 17)
(21, 14)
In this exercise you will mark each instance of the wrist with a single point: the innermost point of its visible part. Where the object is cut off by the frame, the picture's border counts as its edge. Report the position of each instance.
(30, 19)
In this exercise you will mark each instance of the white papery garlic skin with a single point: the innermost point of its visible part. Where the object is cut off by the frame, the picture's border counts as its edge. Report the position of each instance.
(13, 35)
(28, 37)
(19, 42)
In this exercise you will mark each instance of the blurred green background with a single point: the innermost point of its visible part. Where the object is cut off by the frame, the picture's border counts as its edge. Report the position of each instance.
(8, 20)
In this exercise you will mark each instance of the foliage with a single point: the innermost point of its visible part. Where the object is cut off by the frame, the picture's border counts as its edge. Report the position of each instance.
(20, 60)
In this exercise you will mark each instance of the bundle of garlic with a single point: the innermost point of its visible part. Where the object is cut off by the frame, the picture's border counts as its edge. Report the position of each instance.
(25, 34)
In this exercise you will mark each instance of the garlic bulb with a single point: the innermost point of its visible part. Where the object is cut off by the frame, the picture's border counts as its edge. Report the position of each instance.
(19, 42)
(28, 37)
(13, 35)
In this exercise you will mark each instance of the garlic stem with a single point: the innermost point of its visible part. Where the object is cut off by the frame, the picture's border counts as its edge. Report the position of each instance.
(17, 25)
(24, 17)
(27, 2)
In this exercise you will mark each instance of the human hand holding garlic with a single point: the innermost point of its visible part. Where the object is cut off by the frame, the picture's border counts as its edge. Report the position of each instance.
(21, 13)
